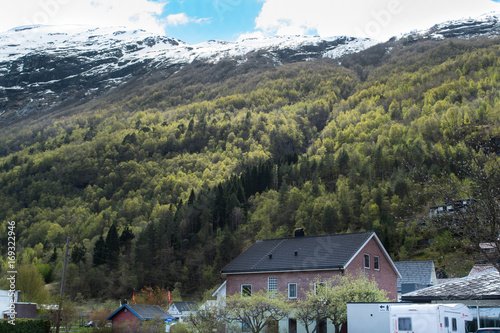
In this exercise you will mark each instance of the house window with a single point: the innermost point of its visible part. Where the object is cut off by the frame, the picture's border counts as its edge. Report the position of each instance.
(272, 285)
(454, 326)
(376, 263)
(367, 261)
(292, 290)
(404, 324)
(318, 286)
(292, 325)
(322, 326)
(246, 290)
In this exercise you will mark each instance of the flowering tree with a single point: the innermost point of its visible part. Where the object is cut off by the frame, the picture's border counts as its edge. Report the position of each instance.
(207, 319)
(152, 296)
(256, 311)
(330, 301)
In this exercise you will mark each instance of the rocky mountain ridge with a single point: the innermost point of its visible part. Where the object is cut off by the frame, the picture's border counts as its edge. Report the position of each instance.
(46, 67)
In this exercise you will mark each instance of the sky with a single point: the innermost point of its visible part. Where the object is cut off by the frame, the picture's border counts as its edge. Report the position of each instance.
(196, 21)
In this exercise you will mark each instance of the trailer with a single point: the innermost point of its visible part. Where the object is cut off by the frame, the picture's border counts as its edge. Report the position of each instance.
(407, 318)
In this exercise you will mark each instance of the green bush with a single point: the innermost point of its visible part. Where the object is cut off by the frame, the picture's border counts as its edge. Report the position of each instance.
(25, 325)
(178, 328)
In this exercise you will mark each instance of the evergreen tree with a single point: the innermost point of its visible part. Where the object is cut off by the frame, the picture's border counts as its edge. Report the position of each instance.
(78, 254)
(100, 252)
(126, 239)
(53, 257)
(112, 247)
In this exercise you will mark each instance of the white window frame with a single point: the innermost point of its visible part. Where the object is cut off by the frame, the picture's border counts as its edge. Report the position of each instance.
(365, 256)
(246, 285)
(292, 297)
(272, 286)
(376, 263)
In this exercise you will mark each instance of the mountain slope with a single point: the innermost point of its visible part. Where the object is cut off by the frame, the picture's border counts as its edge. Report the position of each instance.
(42, 66)
(199, 164)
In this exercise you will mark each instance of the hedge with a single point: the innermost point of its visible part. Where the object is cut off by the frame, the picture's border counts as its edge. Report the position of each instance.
(25, 325)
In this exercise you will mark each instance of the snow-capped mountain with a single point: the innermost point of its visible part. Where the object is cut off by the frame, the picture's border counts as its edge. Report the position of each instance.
(43, 67)
(487, 25)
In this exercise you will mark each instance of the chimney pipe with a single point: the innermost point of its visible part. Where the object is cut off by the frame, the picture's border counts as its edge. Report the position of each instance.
(299, 232)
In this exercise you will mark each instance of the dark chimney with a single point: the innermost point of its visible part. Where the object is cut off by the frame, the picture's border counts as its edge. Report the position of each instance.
(299, 232)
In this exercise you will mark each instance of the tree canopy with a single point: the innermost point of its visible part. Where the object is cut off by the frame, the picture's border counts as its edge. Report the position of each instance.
(164, 184)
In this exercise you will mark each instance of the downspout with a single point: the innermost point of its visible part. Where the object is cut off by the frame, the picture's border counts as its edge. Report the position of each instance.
(477, 313)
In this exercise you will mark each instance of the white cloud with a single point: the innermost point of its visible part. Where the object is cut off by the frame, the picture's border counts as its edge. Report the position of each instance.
(182, 19)
(378, 19)
(141, 14)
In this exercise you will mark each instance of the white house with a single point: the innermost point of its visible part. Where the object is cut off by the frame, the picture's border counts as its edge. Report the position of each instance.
(7, 297)
(220, 293)
(181, 310)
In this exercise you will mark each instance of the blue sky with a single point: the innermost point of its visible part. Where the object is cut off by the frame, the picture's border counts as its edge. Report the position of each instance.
(195, 21)
(222, 19)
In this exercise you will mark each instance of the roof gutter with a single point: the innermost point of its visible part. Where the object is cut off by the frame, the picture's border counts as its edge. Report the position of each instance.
(454, 298)
(334, 268)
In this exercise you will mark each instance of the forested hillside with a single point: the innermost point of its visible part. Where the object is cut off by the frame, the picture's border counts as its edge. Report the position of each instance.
(164, 183)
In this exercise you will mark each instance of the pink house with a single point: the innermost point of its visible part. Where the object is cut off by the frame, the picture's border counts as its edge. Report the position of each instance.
(292, 265)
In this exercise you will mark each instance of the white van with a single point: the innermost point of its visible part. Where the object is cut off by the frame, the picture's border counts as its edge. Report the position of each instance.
(407, 318)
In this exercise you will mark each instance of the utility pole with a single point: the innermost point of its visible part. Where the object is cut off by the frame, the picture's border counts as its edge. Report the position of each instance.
(62, 286)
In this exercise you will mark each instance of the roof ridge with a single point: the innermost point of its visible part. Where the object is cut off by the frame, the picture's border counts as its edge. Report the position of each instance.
(317, 236)
(270, 252)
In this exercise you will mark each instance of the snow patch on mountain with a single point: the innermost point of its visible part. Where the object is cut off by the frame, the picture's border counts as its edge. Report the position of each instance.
(486, 25)
(138, 45)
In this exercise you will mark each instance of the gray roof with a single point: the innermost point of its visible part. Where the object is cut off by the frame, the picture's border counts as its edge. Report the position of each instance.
(480, 268)
(185, 306)
(143, 312)
(480, 286)
(415, 272)
(300, 253)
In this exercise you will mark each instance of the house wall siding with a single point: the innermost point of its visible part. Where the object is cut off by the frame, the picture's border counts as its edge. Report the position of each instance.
(125, 321)
(386, 277)
(259, 281)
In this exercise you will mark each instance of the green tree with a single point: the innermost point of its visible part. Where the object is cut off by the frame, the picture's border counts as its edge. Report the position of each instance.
(30, 282)
(78, 254)
(475, 225)
(312, 310)
(208, 319)
(99, 257)
(343, 289)
(328, 300)
(257, 311)
(112, 247)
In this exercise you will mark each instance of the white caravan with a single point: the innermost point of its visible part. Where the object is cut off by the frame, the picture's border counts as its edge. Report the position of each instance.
(407, 318)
